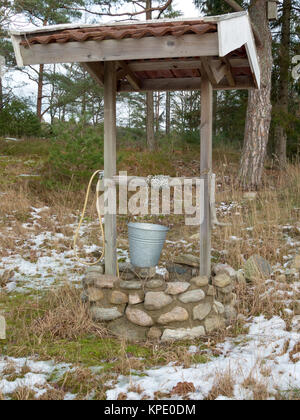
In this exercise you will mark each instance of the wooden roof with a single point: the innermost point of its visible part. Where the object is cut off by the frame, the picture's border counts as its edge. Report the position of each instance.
(152, 55)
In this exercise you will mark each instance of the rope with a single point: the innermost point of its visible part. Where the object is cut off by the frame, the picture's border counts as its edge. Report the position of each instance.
(81, 221)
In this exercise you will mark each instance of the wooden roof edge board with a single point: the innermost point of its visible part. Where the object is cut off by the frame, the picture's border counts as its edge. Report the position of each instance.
(61, 27)
(124, 49)
(228, 41)
(15, 39)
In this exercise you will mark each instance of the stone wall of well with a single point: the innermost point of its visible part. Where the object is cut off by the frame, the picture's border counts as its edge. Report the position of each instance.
(177, 305)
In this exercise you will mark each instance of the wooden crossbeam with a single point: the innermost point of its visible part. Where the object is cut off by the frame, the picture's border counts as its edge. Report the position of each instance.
(164, 85)
(188, 83)
(228, 72)
(130, 76)
(96, 70)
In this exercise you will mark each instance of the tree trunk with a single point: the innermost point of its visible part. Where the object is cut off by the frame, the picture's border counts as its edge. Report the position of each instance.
(168, 113)
(40, 92)
(157, 117)
(283, 97)
(259, 106)
(150, 100)
(1, 95)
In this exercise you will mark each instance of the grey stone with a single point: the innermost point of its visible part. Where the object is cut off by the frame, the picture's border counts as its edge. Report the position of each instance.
(127, 275)
(226, 290)
(157, 300)
(201, 311)
(2, 328)
(192, 296)
(95, 269)
(154, 333)
(211, 291)
(94, 294)
(135, 298)
(118, 298)
(214, 323)
(257, 268)
(105, 314)
(124, 329)
(224, 269)
(218, 308)
(177, 314)
(187, 259)
(155, 284)
(131, 284)
(221, 280)
(181, 273)
(105, 281)
(145, 273)
(139, 317)
(125, 267)
(183, 334)
(200, 281)
(230, 314)
(177, 287)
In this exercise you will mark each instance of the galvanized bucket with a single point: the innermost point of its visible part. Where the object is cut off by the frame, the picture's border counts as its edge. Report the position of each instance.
(146, 242)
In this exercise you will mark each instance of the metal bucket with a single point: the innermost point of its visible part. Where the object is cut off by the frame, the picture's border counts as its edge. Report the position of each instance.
(146, 242)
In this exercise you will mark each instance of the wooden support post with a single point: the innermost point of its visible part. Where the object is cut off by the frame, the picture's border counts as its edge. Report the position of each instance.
(110, 88)
(206, 170)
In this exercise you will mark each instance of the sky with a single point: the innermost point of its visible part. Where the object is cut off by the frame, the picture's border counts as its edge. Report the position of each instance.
(23, 86)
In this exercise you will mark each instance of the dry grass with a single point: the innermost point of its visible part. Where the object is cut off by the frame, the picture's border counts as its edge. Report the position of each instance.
(223, 386)
(67, 317)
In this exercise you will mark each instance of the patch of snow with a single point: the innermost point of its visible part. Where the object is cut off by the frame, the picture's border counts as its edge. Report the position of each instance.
(264, 349)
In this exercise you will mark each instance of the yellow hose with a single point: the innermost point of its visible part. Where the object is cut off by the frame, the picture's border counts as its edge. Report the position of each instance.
(81, 221)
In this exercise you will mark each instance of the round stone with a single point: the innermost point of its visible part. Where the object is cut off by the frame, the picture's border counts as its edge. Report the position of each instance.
(200, 281)
(131, 285)
(177, 287)
(177, 314)
(135, 298)
(118, 298)
(157, 300)
(154, 333)
(218, 307)
(105, 314)
(183, 334)
(154, 284)
(201, 311)
(138, 317)
(222, 280)
(94, 294)
(192, 296)
(105, 281)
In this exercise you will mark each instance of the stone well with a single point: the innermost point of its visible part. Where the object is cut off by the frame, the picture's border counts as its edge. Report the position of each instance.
(143, 304)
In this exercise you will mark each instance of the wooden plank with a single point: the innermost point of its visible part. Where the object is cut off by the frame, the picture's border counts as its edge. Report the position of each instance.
(165, 65)
(110, 135)
(130, 76)
(124, 49)
(206, 170)
(228, 72)
(96, 70)
(164, 85)
(206, 71)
